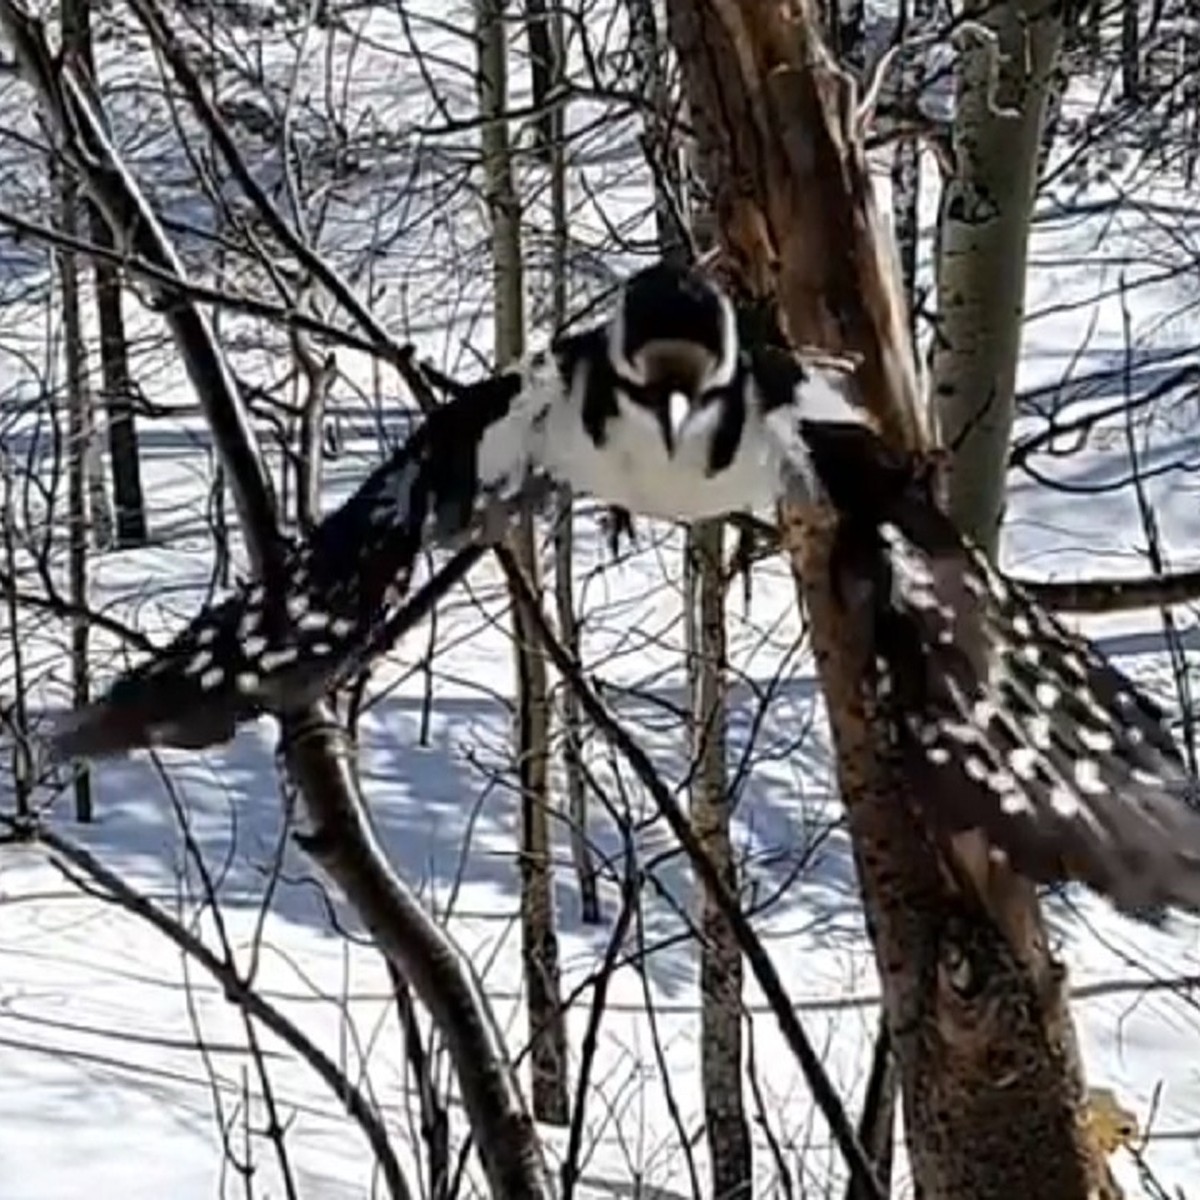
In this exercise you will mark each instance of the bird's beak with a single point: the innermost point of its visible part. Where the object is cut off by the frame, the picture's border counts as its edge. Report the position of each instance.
(679, 408)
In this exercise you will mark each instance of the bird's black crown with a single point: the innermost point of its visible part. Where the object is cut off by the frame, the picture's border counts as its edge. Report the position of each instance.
(669, 302)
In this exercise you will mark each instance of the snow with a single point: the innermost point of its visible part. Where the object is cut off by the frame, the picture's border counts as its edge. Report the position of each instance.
(123, 1069)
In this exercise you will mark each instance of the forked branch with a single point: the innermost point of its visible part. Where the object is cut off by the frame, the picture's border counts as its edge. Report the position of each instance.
(318, 754)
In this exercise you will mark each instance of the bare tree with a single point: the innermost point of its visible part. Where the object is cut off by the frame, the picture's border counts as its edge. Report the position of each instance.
(548, 69)
(712, 802)
(116, 385)
(79, 421)
(319, 756)
(547, 1022)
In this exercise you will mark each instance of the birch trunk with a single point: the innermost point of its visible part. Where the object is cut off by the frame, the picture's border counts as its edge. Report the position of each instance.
(539, 939)
(550, 39)
(1006, 86)
(1004, 82)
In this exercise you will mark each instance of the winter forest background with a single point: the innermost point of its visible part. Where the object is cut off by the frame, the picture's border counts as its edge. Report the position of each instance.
(188, 1006)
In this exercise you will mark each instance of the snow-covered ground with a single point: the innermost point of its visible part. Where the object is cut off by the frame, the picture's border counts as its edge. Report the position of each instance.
(123, 1070)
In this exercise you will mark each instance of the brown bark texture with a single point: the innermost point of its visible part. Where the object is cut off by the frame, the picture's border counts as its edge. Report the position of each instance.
(974, 1002)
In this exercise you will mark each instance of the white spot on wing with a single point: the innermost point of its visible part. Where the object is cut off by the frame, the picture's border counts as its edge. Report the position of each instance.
(278, 658)
(1039, 732)
(1098, 741)
(1015, 804)
(1087, 777)
(1064, 803)
(199, 662)
(1023, 761)
(212, 678)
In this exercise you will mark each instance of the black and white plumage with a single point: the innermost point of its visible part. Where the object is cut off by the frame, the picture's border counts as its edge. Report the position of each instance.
(1002, 719)
(659, 411)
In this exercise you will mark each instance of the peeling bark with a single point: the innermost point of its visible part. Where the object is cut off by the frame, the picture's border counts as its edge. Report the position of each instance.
(973, 1002)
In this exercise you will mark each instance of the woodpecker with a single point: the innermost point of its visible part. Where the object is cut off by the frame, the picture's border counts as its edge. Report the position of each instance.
(1001, 718)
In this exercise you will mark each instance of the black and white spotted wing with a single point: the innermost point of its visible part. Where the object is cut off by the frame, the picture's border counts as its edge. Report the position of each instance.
(255, 651)
(1005, 720)
(1009, 723)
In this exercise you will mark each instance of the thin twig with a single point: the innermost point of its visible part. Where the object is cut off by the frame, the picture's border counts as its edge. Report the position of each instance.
(233, 987)
(748, 941)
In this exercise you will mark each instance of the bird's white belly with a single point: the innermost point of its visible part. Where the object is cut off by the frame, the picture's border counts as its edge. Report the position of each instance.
(633, 469)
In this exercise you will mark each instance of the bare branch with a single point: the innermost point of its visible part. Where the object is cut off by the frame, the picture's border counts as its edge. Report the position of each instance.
(236, 991)
(1115, 595)
(756, 955)
(318, 752)
(67, 102)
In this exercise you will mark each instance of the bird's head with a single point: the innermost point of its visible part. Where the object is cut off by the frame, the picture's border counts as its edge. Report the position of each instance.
(673, 344)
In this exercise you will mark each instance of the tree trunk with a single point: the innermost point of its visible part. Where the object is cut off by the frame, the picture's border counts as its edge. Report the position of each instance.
(539, 940)
(17, 717)
(729, 1145)
(79, 436)
(549, 39)
(647, 50)
(906, 164)
(116, 384)
(1131, 65)
(983, 238)
(993, 1102)
(318, 375)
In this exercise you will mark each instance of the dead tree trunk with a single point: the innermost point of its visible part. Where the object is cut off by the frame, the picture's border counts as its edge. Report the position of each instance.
(721, 974)
(539, 938)
(975, 1006)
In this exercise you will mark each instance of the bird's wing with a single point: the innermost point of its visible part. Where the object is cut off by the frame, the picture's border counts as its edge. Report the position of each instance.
(1009, 722)
(1004, 719)
(263, 650)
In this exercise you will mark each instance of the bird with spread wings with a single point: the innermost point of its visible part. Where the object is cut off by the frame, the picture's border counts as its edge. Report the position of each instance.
(1002, 718)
